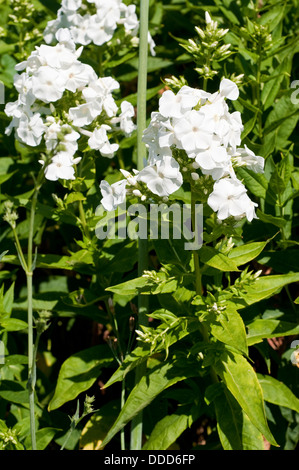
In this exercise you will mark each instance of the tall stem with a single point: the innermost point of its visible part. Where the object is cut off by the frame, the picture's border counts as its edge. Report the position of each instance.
(198, 281)
(136, 430)
(29, 276)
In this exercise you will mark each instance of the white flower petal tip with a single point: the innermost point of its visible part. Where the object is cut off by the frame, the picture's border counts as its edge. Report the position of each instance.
(207, 17)
(229, 89)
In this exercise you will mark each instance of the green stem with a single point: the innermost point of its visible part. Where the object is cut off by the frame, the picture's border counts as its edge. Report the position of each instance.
(198, 281)
(83, 220)
(136, 430)
(29, 276)
(19, 250)
(122, 402)
(31, 361)
(258, 93)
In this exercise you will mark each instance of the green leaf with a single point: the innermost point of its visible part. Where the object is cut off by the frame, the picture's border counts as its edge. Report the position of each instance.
(74, 197)
(182, 327)
(271, 219)
(241, 380)
(43, 438)
(255, 182)
(12, 324)
(278, 393)
(244, 253)
(14, 392)
(3, 254)
(236, 432)
(230, 329)
(265, 286)
(129, 288)
(269, 328)
(8, 299)
(160, 377)
(139, 355)
(215, 259)
(80, 261)
(169, 428)
(6, 177)
(248, 126)
(78, 373)
(281, 122)
(272, 87)
(99, 424)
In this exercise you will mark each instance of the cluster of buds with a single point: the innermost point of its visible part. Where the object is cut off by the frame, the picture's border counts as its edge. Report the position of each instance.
(23, 18)
(208, 48)
(23, 10)
(42, 322)
(10, 215)
(175, 83)
(245, 280)
(9, 440)
(259, 35)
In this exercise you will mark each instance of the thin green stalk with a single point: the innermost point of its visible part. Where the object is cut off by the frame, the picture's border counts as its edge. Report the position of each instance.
(122, 402)
(83, 220)
(29, 276)
(198, 281)
(31, 361)
(136, 430)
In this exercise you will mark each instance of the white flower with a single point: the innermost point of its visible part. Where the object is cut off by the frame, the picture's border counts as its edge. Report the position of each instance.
(80, 29)
(245, 157)
(58, 56)
(99, 141)
(72, 5)
(125, 118)
(52, 132)
(232, 136)
(101, 29)
(171, 105)
(192, 133)
(214, 160)
(129, 18)
(229, 198)
(215, 116)
(85, 113)
(77, 76)
(99, 93)
(113, 195)
(23, 84)
(61, 167)
(131, 179)
(48, 84)
(162, 178)
(229, 89)
(30, 130)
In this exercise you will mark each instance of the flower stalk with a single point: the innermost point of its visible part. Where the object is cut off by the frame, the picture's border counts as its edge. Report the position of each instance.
(136, 430)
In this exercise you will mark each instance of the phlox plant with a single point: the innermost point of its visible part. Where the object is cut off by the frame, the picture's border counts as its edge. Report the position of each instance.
(180, 328)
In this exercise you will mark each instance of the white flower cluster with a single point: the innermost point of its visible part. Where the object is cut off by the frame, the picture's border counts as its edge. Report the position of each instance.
(94, 21)
(84, 106)
(193, 133)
